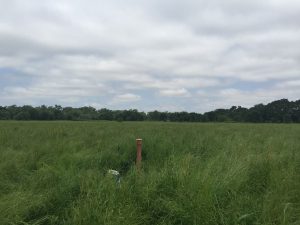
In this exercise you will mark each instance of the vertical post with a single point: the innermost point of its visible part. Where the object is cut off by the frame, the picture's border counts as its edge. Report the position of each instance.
(138, 153)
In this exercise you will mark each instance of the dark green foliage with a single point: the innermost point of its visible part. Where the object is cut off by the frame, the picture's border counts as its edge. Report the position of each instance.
(281, 111)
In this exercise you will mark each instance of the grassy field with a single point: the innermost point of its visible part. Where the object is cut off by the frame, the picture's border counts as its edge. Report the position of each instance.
(56, 173)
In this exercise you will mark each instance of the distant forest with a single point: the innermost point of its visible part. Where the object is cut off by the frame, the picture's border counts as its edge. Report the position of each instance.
(280, 111)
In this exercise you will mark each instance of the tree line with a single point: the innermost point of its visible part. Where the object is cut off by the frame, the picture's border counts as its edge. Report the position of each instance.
(280, 111)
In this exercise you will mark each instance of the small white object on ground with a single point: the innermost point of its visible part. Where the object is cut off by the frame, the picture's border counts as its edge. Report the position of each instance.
(114, 172)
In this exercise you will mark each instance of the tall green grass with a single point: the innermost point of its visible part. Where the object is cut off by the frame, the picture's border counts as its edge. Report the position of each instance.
(56, 173)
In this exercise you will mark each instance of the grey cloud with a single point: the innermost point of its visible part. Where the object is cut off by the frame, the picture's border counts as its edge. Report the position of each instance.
(168, 48)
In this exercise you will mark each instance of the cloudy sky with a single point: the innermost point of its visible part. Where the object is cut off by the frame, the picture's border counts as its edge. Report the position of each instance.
(192, 55)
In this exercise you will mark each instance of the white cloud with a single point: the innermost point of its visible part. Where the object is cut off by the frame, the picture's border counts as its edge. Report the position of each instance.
(59, 50)
(291, 84)
(175, 93)
(127, 97)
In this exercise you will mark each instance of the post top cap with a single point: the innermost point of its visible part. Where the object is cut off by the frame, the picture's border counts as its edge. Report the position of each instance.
(139, 139)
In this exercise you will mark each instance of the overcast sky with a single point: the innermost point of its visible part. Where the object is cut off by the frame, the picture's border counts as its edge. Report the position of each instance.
(191, 55)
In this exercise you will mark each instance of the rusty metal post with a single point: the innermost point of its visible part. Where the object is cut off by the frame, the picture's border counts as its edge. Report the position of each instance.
(138, 153)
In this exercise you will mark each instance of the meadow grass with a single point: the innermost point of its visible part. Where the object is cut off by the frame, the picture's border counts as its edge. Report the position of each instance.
(192, 173)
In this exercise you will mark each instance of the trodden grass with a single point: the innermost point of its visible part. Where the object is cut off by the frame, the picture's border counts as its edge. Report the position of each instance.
(193, 173)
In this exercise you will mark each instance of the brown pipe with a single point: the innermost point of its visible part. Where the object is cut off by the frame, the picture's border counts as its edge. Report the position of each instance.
(138, 153)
